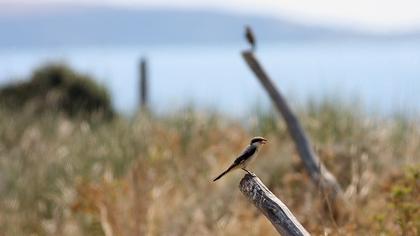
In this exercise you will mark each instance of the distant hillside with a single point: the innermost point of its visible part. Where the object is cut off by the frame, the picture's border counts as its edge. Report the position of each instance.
(116, 26)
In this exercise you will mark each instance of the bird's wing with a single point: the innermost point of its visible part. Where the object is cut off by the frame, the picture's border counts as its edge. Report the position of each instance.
(249, 151)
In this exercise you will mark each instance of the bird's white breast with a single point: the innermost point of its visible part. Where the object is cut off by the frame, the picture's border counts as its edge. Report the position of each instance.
(251, 158)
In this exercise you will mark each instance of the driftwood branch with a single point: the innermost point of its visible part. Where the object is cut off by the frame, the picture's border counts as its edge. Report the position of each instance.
(317, 171)
(275, 210)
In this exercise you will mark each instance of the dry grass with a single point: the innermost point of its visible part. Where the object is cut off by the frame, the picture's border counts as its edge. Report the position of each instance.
(152, 175)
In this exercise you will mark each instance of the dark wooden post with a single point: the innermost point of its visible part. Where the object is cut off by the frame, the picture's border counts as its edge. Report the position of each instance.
(143, 83)
(316, 169)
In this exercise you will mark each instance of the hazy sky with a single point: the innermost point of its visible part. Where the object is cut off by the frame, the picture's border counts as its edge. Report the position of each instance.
(372, 14)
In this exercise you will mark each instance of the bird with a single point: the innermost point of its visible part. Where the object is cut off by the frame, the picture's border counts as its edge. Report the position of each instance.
(249, 35)
(246, 157)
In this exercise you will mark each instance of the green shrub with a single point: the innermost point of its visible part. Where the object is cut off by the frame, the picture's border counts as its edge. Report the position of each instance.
(404, 201)
(57, 88)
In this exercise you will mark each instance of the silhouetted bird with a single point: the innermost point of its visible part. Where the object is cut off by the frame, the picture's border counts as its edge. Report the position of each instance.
(250, 37)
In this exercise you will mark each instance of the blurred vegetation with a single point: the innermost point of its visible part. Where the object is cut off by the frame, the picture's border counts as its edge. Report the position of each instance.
(57, 88)
(151, 175)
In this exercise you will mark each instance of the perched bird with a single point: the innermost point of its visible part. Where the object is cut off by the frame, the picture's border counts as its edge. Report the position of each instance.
(245, 158)
(250, 37)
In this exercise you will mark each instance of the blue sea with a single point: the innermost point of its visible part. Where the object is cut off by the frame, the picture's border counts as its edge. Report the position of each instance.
(382, 76)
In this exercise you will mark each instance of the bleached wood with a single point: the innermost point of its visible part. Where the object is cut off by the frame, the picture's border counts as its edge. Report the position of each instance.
(274, 209)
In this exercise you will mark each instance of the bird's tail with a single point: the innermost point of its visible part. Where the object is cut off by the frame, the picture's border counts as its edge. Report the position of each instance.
(225, 172)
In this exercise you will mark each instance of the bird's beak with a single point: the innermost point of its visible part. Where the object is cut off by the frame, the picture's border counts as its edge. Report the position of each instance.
(264, 141)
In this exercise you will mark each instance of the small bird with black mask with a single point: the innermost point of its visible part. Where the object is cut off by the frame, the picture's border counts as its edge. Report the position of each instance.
(246, 157)
(249, 35)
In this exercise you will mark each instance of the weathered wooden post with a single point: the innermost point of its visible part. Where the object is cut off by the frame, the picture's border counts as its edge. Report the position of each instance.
(143, 84)
(316, 169)
(272, 207)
